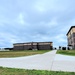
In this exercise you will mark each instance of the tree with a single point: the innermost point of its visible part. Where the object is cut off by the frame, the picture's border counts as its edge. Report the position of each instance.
(59, 47)
(55, 48)
(68, 48)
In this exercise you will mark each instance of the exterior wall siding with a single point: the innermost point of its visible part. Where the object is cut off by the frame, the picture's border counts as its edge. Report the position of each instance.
(44, 47)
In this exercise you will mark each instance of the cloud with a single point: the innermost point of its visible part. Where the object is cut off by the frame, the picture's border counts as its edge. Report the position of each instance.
(21, 19)
(39, 20)
(45, 6)
(40, 6)
(53, 22)
(60, 38)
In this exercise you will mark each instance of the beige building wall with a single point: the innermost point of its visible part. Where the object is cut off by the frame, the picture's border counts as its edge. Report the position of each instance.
(71, 36)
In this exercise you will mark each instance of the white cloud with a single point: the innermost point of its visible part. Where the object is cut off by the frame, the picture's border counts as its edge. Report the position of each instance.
(60, 38)
(40, 7)
(53, 22)
(40, 37)
(43, 6)
(8, 37)
(21, 19)
(68, 25)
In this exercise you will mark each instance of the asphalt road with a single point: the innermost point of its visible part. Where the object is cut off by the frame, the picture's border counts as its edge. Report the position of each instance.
(46, 61)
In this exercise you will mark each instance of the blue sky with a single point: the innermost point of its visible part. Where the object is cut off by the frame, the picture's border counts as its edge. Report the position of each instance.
(35, 20)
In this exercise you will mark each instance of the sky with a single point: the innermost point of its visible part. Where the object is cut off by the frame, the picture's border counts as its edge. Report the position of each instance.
(35, 21)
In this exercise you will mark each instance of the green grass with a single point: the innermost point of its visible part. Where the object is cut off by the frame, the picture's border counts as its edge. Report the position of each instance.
(66, 52)
(13, 71)
(6, 54)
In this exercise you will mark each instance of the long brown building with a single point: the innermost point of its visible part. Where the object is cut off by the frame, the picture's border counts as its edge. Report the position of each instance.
(71, 37)
(33, 46)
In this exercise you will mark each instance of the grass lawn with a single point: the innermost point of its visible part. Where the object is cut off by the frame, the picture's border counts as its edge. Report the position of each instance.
(13, 71)
(66, 52)
(6, 54)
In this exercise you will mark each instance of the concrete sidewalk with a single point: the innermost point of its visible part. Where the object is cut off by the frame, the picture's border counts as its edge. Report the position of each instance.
(39, 62)
(64, 63)
(46, 61)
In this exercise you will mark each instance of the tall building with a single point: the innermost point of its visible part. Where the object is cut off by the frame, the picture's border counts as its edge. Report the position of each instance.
(33, 46)
(71, 37)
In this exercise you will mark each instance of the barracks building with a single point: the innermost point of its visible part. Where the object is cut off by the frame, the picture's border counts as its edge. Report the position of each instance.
(33, 46)
(71, 37)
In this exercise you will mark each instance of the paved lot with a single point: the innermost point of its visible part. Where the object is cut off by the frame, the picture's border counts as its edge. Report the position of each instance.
(46, 61)
(64, 63)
